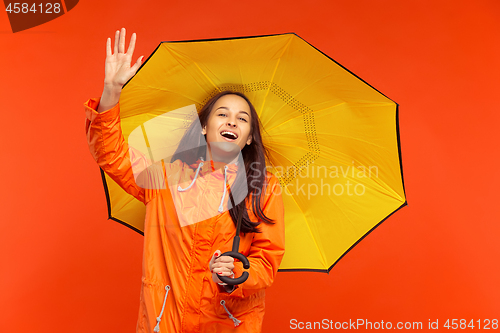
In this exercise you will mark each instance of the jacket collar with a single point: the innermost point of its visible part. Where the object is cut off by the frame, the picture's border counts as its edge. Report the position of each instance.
(211, 166)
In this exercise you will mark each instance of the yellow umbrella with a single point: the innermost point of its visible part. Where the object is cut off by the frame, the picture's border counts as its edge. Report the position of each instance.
(333, 139)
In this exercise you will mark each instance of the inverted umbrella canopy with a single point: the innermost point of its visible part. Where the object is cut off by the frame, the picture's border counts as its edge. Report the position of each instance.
(333, 139)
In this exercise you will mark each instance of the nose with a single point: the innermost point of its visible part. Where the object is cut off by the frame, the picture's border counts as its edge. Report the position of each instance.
(231, 123)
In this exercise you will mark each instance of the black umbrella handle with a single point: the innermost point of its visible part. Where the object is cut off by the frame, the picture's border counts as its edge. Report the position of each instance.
(235, 250)
(243, 277)
(236, 255)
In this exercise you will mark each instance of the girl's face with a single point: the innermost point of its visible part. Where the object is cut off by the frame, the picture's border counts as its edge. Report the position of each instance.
(229, 121)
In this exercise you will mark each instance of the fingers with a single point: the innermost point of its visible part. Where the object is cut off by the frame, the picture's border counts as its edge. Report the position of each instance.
(221, 266)
(131, 45)
(108, 47)
(117, 37)
(218, 268)
(215, 277)
(224, 260)
(216, 255)
(137, 64)
(121, 45)
(212, 260)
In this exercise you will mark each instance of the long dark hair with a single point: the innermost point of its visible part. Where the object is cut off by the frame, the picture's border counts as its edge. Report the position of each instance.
(254, 156)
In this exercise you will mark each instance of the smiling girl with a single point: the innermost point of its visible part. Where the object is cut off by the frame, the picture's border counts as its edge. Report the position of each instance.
(181, 291)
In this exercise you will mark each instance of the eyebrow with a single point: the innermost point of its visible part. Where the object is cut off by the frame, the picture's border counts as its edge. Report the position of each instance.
(226, 108)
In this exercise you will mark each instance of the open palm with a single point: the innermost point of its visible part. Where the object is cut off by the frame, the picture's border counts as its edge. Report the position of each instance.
(117, 67)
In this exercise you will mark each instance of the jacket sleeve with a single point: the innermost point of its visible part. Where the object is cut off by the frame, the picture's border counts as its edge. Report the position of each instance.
(267, 248)
(126, 166)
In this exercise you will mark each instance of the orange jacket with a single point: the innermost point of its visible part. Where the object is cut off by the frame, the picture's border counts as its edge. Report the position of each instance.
(178, 293)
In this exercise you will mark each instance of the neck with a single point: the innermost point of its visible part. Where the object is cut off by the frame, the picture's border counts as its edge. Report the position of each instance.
(226, 158)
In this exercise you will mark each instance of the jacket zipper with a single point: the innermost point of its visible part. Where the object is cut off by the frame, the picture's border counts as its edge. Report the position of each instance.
(158, 319)
(221, 207)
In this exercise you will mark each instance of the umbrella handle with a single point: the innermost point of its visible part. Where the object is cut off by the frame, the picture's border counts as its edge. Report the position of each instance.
(246, 265)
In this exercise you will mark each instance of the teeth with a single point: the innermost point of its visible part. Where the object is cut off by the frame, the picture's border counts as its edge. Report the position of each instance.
(229, 133)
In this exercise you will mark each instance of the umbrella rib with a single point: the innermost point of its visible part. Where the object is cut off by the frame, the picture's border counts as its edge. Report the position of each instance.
(301, 115)
(177, 57)
(308, 227)
(285, 145)
(239, 70)
(274, 73)
(336, 135)
(333, 202)
(312, 236)
(145, 87)
(278, 153)
(310, 232)
(293, 118)
(355, 139)
(297, 93)
(385, 186)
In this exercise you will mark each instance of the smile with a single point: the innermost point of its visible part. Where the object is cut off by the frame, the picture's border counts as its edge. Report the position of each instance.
(229, 135)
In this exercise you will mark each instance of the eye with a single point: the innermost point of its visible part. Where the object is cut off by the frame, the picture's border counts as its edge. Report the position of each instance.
(222, 114)
(243, 119)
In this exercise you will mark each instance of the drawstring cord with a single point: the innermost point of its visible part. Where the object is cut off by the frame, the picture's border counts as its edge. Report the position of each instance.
(221, 208)
(235, 321)
(180, 189)
(158, 319)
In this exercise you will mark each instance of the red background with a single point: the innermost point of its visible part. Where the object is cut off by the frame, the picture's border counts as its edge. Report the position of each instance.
(64, 267)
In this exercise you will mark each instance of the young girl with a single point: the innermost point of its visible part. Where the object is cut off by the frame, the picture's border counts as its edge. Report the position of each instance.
(181, 291)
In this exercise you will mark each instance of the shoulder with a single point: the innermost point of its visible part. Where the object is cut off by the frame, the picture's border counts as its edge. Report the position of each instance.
(272, 183)
(175, 165)
(271, 178)
(273, 198)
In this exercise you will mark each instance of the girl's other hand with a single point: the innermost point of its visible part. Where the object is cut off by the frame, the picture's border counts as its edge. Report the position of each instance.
(221, 264)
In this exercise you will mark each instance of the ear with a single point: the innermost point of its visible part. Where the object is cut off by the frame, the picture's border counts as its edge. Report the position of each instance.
(249, 140)
(204, 130)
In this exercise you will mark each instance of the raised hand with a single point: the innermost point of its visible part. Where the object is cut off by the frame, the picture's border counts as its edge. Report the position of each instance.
(118, 69)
